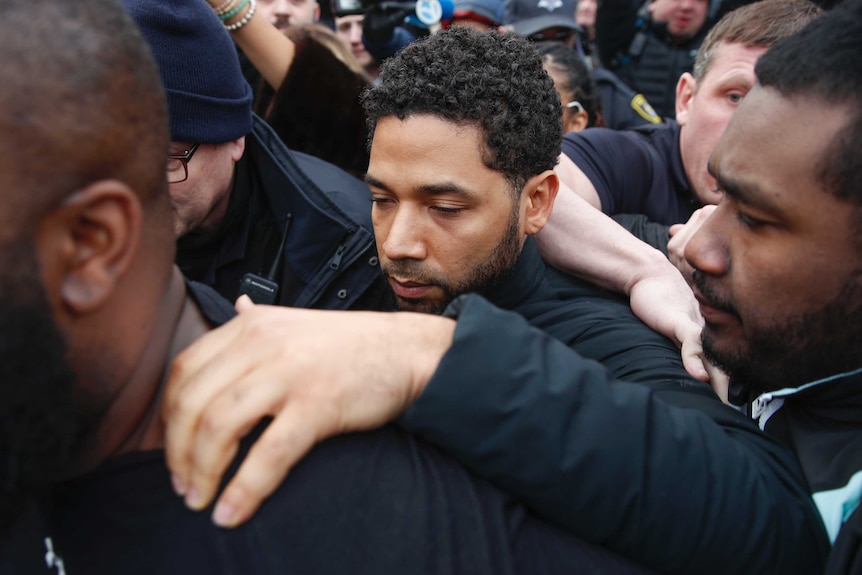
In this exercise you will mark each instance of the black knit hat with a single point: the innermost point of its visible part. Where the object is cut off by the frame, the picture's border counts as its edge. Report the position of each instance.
(208, 98)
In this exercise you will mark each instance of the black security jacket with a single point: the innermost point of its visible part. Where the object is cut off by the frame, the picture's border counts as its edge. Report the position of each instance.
(660, 470)
(323, 215)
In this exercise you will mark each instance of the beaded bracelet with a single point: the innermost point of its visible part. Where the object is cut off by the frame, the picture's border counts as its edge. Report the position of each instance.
(222, 8)
(231, 13)
(239, 24)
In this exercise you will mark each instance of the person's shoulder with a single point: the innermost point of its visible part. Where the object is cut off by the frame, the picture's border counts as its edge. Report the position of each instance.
(609, 144)
(596, 139)
(622, 107)
(213, 306)
(565, 298)
(320, 182)
(343, 188)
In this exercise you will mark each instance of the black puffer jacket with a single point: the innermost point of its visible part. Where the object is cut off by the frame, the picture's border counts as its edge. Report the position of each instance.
(641, 458)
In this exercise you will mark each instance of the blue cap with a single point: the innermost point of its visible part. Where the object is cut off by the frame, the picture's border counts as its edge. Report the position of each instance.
(209, 100)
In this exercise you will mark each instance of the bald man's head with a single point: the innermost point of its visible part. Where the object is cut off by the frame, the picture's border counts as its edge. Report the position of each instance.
(81, 100)
(83, 144)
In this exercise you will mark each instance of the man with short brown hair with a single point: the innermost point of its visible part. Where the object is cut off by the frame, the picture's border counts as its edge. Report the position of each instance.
(660, 171)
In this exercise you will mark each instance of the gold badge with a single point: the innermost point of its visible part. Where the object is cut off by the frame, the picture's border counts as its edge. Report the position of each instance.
(644, 110)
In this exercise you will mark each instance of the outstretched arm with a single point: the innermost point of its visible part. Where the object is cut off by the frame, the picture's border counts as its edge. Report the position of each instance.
(267, 48)
(583, 241)
(663, 473)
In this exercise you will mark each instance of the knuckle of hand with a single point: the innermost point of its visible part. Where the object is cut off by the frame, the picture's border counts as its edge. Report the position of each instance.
(212, 425)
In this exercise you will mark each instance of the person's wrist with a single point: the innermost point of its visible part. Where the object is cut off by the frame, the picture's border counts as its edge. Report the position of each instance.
(236, 20)
(652, 264)
(220, 6)
(432, 337)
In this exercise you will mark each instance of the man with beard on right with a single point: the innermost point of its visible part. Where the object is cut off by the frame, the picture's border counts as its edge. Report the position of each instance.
(779, 280)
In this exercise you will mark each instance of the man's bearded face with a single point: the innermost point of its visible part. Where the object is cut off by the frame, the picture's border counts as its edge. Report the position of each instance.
(37, 407)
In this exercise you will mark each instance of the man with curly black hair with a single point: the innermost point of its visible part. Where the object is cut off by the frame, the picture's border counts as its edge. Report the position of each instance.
(462, 158)
(493, 82)
(465, 131)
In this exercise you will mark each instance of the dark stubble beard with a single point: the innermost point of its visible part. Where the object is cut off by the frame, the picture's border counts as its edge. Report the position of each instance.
(481, 278)
(798, 350)
(37, 408)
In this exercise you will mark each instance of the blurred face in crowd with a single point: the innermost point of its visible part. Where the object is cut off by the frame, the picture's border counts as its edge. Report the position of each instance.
(778, 271)
(444, 222)
(555, 34)
(684, 17)
(705, 106)
(200, 202)
(585, 15)
(349, 30)
(284, 13)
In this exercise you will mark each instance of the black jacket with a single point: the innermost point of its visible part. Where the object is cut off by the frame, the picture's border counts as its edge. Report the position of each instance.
(642, 53)
(660, 470)
(321, 213)
(374, 503)
(822, 421)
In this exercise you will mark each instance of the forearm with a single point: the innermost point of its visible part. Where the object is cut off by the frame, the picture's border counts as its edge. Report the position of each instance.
(267, 48)
(612, 462)
(584, 242)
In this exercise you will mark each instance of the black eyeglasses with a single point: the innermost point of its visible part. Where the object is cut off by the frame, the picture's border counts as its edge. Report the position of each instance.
(178, 165)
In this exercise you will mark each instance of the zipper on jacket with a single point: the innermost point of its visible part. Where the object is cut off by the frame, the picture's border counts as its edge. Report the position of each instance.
(359, 254)
(335, 262)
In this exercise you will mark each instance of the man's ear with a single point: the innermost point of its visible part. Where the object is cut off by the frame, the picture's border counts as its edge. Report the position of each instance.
(685, 89)
(88, 243)
(538, 199)
(237, 148)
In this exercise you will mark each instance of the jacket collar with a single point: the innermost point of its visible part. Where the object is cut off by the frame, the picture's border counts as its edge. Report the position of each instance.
(838, 393)
(521, 281)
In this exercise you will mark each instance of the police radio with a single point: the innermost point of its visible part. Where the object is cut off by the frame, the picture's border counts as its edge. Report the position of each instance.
(264, 289)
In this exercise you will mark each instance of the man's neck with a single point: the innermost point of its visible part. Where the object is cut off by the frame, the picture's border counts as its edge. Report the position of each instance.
(132, 420)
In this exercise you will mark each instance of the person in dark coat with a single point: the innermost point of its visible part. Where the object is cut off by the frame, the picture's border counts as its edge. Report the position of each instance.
(243, 202)
(649, 44)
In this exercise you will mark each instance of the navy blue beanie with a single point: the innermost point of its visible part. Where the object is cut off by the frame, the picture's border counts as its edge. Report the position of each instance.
(208, 98)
